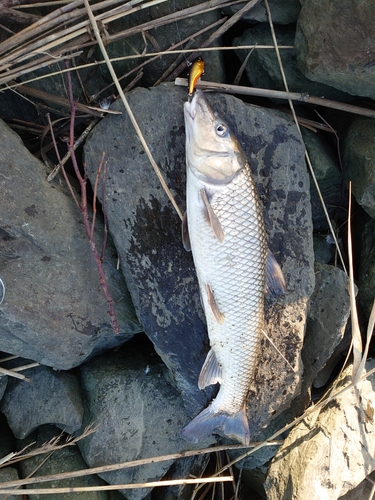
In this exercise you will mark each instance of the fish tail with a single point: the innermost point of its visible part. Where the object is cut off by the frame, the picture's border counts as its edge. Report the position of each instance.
(234, 426)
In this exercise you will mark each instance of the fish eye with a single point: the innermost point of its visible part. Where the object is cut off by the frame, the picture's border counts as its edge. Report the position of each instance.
(221, 129)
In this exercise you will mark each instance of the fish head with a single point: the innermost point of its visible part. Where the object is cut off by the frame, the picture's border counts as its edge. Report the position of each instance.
(212, 151)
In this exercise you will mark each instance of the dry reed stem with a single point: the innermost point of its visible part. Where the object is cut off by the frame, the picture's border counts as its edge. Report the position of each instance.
(48, 447)
(112, 487)
(126, 465)
(278, 94)
(12, 84)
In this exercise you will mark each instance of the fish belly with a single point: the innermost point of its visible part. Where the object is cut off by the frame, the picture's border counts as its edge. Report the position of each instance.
(231, 273)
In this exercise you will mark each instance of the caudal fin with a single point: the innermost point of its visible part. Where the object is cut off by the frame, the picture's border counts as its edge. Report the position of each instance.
(207, 422)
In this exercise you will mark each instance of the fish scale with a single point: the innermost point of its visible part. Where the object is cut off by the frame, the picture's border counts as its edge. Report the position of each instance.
(226, 234)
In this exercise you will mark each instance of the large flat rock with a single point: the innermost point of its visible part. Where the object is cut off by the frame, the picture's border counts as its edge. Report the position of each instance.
(160, 274)
(54, 310)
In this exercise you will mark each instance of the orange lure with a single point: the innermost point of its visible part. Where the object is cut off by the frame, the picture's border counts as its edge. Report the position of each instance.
(197, 70)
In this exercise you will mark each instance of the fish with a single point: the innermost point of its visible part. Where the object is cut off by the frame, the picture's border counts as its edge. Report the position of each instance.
(224, 228)
(196, 71)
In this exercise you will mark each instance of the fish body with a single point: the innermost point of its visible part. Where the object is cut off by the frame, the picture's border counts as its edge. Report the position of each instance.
(196, 71)
(224, 228)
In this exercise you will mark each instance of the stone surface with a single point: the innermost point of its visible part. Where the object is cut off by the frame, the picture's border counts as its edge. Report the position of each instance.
(263, 69)
(54, 309)
(64, 460)
(366, 275)
(362, 491)
(359, 162)
(282, 11)
(335, 44)
(140, 414)
(160, 274)
(328, 315)
(328, 453)
(3, 385)
(330, 181)
(8, 474)
(50, 397)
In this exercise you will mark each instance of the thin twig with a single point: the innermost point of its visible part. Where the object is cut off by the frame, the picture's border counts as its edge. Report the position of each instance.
(82, 179)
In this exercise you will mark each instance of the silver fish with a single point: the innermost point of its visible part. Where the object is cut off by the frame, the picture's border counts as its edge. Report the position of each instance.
(224, 228)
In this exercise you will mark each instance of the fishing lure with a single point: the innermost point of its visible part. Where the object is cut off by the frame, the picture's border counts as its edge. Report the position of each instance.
(197, 70)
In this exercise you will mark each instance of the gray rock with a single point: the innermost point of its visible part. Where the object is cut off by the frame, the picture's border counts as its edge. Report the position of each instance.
(362, 491)
(330, 181)
(335, 44)
(140, 414)
(51, 397)
(8, 474)
(282, 11)
(3, 385)
(359, 162)
(328, 453)
(67, 459)
(366, 274)
(323, 250)
(263, 69)
(54, 309)
(160, 274)
(328, 315)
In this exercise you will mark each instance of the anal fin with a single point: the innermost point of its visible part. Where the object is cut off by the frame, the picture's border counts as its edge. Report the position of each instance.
(212, 217)
(211, 372)
(219, 316)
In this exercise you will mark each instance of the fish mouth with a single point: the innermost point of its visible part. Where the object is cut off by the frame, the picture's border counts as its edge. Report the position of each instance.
(197, 102)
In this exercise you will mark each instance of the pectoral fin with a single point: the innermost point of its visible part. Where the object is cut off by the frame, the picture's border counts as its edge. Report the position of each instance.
(185, 233)
(219, 316)
(212, 217)
(275, 282)
(211, 371)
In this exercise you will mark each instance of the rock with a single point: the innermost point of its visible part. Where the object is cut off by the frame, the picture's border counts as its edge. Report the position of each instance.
(67, 459)
(323, 250)
(335, 44)
(366, 274)
(331, 452)
(359, 162)
(263, 69)
(3, 385)
(328, 315)
(282, 11)
(143, 416)
(330, 181)
(8, 474)
(160, 274)
(362, 491)
(51, 397)
(54, 310)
